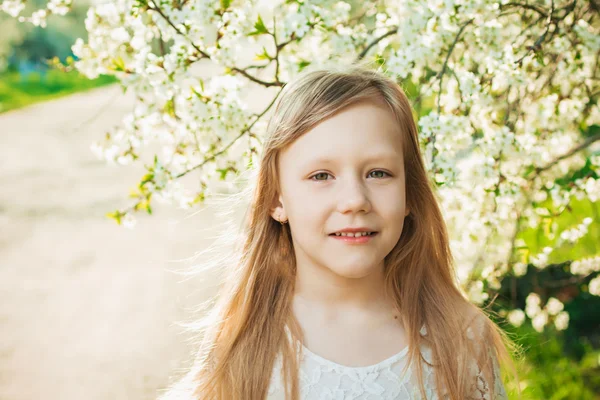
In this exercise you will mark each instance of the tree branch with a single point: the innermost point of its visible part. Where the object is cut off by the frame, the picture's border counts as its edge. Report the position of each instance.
(166, 18)
(532, 7)
(256, 80)
(223, 150)
(213, 156)
(441, 78)
(585, 144)
(538, 43)
(445, 66)
(519, 210)
(363, 53)
(204, 54)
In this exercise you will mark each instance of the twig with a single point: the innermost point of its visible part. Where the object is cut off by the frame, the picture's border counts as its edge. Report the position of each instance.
(587, 143)
(204, 54)
(162, 14)
(445, 66)
(363, 53)
(533, 7)
(538, 171)
(254, 79)
(538, 43)
(214, 156)
(244, 131)
(441, 78)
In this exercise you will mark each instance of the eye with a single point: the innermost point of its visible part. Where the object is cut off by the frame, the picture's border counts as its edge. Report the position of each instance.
(317, 174)
(380, 170)
(325, 174)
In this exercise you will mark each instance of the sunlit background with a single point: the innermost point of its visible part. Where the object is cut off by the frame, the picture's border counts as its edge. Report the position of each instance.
(90, 309)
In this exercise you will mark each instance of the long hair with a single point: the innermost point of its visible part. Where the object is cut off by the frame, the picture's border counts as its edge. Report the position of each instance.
(246, 329)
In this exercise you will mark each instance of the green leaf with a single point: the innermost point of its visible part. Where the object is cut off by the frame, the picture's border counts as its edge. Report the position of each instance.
(223, 173)
(170, 107)
(149, 177)
(303, 64)
(547, 225)
(263, 56)
(116, 215)
(225, 4)
(259, 27)
(118, 64)
(540, 58)
(200, 197)
(528, 170)
(591, 130)
(133, 193)
(144, 204)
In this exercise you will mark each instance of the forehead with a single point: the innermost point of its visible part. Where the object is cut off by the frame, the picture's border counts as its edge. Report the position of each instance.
(363, 132)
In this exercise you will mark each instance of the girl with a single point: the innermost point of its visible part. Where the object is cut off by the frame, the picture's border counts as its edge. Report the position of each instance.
(344, 287)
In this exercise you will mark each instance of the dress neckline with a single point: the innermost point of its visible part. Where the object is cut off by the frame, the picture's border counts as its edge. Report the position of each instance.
(366, 368)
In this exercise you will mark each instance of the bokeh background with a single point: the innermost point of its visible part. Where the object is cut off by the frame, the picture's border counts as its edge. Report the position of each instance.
(89, 309)
(93, 310)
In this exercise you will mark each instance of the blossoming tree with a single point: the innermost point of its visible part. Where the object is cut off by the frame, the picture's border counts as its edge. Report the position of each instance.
(507, 94)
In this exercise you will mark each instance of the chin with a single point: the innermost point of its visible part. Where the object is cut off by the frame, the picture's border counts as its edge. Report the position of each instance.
(351, 272)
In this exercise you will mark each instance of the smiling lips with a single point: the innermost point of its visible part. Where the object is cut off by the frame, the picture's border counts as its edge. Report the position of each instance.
(352, 239)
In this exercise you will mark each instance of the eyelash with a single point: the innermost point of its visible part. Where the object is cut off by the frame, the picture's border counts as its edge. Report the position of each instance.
(322, 180)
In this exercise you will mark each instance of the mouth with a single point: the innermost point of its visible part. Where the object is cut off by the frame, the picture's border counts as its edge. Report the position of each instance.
(355, 238)
(339, 234)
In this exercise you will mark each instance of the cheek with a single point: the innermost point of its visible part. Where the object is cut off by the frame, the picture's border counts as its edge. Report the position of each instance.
(307, 215)
(392, 204)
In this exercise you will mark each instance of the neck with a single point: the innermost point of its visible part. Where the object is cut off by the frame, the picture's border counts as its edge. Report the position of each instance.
(339, 298)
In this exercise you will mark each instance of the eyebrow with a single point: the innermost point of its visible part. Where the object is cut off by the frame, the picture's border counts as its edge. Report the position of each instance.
(376, 157)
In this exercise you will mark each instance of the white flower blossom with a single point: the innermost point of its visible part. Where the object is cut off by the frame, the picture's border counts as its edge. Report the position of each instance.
(574, 234)
(520, 269)
(59, 7)
(476, 293)
(516, 317)
(554, 306)
(594, 286)
(12, 7)
(586, 266)
(532, 307)
(540, 321)
(540, 260)
(561, 321)
(129, 221)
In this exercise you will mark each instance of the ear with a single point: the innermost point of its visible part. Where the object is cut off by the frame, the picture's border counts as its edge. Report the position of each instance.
(278, 211)
(406, 212)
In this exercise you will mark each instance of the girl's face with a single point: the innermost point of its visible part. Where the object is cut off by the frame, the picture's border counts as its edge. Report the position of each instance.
(347, 172)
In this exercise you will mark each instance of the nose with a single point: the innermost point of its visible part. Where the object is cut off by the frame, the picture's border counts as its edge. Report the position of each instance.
(353, 197)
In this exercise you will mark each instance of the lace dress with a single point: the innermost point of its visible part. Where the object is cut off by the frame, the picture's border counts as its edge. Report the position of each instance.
(322, 379)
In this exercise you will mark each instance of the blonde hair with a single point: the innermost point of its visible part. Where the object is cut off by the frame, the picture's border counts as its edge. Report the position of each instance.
(247, 327)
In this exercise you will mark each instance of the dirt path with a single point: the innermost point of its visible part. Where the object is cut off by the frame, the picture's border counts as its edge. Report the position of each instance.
(89, 309)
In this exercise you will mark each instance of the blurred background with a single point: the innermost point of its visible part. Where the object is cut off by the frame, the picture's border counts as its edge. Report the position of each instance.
(92, 310)
(25, 50)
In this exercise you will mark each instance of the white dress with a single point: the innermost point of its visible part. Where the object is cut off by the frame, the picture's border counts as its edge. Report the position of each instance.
(322, 379)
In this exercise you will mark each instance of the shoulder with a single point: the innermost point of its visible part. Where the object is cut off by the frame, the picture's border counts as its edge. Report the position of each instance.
(483, 357)
(476, 323)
